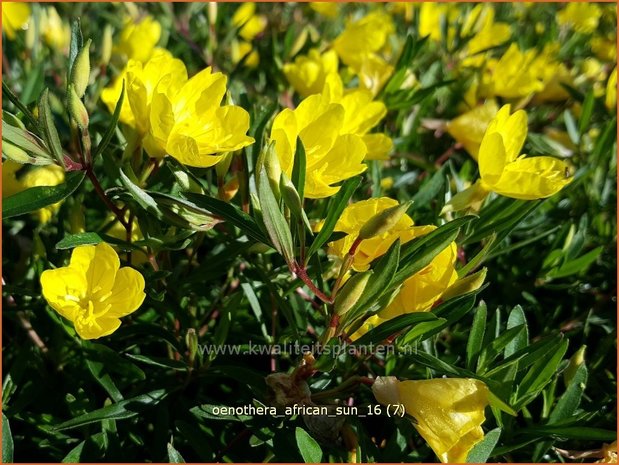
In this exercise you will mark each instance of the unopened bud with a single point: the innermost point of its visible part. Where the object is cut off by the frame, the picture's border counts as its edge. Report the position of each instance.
(385, 390)
(290, 194)
(77, 110)
(575, 362)
(382, 222)
(80, 73)
(465, 285)
(212, 13)
(191, 339)
(350, 294)
(106, 45)
(272, 168)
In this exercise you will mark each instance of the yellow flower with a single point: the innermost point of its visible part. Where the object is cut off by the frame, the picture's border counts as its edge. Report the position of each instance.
(93, 292)
(240, 49)
(552, 74)
(352, 220)
(469, 127)
(363, 37)
(504, 171)
(361, 114)
(179, 117)
(328, 9)
(581, 16)
(487, 33)
(513, 75)
(249, 23)
(56, 33)
(431, 15)
(374, 72)
(331, 155)
(48, 175)
(422, 290)
(15, 16)
(448, 412)
(308, 72)
(138, 39)
(611, 90)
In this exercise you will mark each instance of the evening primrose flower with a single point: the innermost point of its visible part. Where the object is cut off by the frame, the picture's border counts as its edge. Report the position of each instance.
(581, 16)
(93, 292)
(331, 155)
(240, 50)
(512, 76)
(177, 116)
(448, 412)
(487, 33)
(248, 21)
(611, 90)
(469, 128)
(359, 45)
(15, 16)
(431, 15)
(308, 73)
(504, 171)
(352, 220)
(138, 39)
(361, 114)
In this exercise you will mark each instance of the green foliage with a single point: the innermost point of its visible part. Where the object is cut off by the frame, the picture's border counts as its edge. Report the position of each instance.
(234, 260)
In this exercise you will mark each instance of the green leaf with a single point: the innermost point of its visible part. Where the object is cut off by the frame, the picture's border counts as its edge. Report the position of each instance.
(6, 91)
(230, 213)
(7, 441)
(173, 455)
(74, 240)
(517, 318)
(476, 337)
(119, 411)
(38, 197)
(25, 140)
(586, 112)
(159, 362)
(336, 207)
(299, 168)
(540, 374)
(570, 400)
(430, 190)
(581, 433)
(100, 373)
(48, 127)
(483, 449)
(492, 351)
(77, 42)
(208, 411)
(500, 218)
(274, 220)
(109, 132)
(377, 285)
(309, 448)
(418, 253)
(142, 198)
(576, 266)
(570, 125)
(393, 326)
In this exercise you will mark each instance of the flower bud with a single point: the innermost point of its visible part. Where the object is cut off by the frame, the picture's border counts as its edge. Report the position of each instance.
(350, 294)
(222, 167)
(80, 73)
(212, 13)
(576, 361)
(465, 285)
(273, 169)
(106, 45)
(382, 222)
(191, 339)
(77, 110)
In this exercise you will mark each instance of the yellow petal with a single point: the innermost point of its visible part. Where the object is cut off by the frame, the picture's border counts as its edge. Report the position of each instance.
(63, 288)
(200, 95)
(448, 412)
(98, 263)
(378, 146)
(492, 157)
(533, 178)
(89, 328)
(127, 293)
(470, 127)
